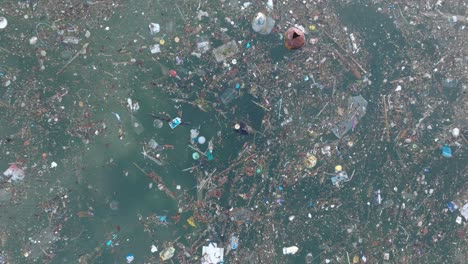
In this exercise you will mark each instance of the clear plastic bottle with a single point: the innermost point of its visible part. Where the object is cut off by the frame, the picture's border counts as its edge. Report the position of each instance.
(262, 24)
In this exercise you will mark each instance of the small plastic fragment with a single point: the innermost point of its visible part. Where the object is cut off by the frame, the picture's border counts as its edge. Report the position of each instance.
(446, 151)
(167, 253)
(3, 22)
(290, 250)
(154, 28)
(129, 258)
(175, 122)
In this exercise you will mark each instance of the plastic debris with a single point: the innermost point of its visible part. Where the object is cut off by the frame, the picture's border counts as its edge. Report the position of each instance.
(262, 24)
(193, 135)
(33, 40)
(191, 221)
(452, 206)
(114, 205)
(195, 156)
(154, 28)
(132, 106)
(464, 211)
(357, 107)
(157, 123)
(269, 4)
(109, 242)
(446, 151)
(129, 258)
(294, 38)
(173, 73)
(163, 219)
(338, 168)
(71, 40)
(175, 122)
(209, 155)
(222, 53)
(153, 249)
(212, 254)
(3, 22)
(202, 14)
(310, 161)
(234, 243)
(153, 144)
(377, 197)
(339, 178)
(290, 250)
(117, 116)
(14, 173)
(456, 132)
(201, 140)
(156, 48)
(167, 253)
(203, 45)
(228, 95)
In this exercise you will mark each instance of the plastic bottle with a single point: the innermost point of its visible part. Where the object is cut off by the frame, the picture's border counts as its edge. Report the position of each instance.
(262, 24)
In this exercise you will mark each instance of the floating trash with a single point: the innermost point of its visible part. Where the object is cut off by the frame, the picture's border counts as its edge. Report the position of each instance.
(154, 28)
(14, 173)
(167, 253)
(446, 151)
(201, 140)
(129, 258)
(290, 250)
(262, 24)
(158, 123)
(114, 205)
(3, 22)
(191, 221)
(294, 38)
(225, 51)
(357, 107)
(175, 122)
(234, 242)
(310, 161)
(212, 254)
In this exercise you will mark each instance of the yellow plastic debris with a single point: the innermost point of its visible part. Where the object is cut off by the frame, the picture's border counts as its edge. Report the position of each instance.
(338, 168)
(312, 27)
(310, 161)
(162, 41)
(355, 259)
(191, 221)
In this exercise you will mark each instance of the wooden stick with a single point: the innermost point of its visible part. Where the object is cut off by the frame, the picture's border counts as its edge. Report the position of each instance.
(72, 59)
(235, 164)
(264, 108)
(7, 51)
(342, 49)
(387, 128)
(136, 165)
(197, 150)
(347, 64)
(322, 110)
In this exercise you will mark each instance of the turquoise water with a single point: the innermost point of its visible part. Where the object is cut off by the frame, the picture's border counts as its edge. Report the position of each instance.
(48, 217)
